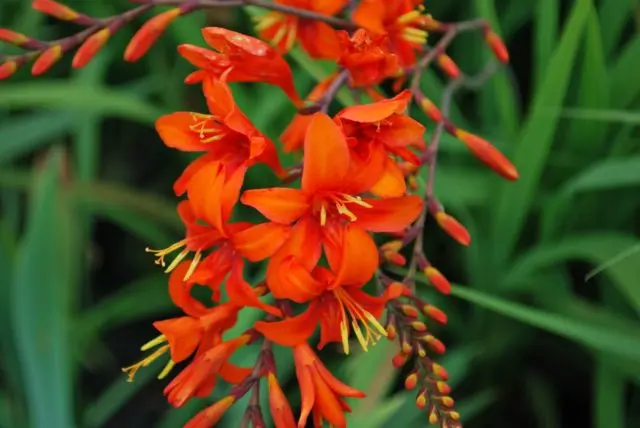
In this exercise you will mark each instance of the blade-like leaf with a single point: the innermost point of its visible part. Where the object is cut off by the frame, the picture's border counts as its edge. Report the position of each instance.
(609, 397)
(41, 304)
(515, 199)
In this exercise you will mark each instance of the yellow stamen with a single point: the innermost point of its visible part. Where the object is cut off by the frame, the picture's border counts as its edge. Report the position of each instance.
(193, 265)
(167, 369)
(267, 20)
(133, 369)
(280, 34)
(291, 37)
(361, 320)
(153, 343)
(203, 127)
(408, 17)
(356, 200)
(342, 209)
(160, 254)
(323, 215)
(415, 35)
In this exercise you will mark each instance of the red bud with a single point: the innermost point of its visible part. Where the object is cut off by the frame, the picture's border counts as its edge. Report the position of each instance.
(13, 37)
(438, 280)
(453, 228)
(7, 69)
(55, 9)
(448, 66)
(46, 60)
(147, 35)
(497, 46)
(90, 48)
(488, 154)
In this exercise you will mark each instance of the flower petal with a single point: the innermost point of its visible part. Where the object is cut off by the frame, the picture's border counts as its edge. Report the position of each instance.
(183, 335)
(370, 15)
(233, 374)
(319, 39)
(392, 183)
(280, 204)
(204, 192)
(289, 279)
(402, 131)
(180, 291)
(261, 241)
(376, 112)
(175, 132)
(241, 293)
(359, 258)
(291, 331)
(387, 215)
(182, 183)
(326, 155)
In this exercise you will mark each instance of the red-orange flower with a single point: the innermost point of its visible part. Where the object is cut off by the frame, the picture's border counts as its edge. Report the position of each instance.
(375, 130)
(225, 134)
(317, 38)
(401, 20)
(244, 58)
(367, 58)
(322, 394)
(327, 201)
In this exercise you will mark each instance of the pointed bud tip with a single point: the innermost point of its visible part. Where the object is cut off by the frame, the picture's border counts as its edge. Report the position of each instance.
(8, 69)
(88, 50)
(453, 228)
(13, 37)
(147, 35)
(46, 60)
(439, 281)
(55, 9)
(488, 154)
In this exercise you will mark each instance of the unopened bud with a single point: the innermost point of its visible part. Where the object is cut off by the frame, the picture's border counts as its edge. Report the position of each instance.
(88, 50)
(434, 313)
(453, 415)
(442, 387)
(399, 360)
(447, 401)
(8, 69)
(421, 352)
(211, 415)
(448, 66)
(279, 405)
(410, 311)
(440, 371)
(392, 332)
(419, 326)
(147, 35)
(395, 258)
(392, 246)
(488, 154)
(56, 10)
(497, 46)
(433, 416)
(15, 38)
(421, 399)
(434, 344)
(431, 110)
(453, 228)
(438, 280)
(407, 349)
(412, 182)
(46, 60)
(411, 381)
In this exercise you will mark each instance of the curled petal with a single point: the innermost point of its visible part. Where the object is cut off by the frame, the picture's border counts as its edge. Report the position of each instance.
(291, 331)
(391, 183)
(204, 192)
(241, 293)
(261, 241)
(175, 133)
(289, 279)
(359, 258)
(183, 335)
(376, 112)
(388, 215)
(180, 291)
(281, 205)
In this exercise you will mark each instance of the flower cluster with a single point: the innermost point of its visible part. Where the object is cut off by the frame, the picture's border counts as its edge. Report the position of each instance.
(339, 219)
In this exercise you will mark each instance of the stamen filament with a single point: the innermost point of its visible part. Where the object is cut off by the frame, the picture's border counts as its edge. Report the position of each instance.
(160, 254)
(193, 265)
(167, 369)
(153, 343)
(408, 17)
(360, 319)
(133, 369)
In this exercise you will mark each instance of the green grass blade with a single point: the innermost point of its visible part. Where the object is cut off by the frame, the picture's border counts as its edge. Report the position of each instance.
(84, 98)
(596, 249)
(609, 397)
(41, 305)
(545, 35)
(23, 134)
(613, 16)
(602, 115)
(593, 335)
(515, 199)
(625, 86)
(593, 92)
(608, 175)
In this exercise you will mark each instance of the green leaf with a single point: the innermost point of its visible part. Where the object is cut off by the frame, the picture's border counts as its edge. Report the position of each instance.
(23, 134)
(625, 87)
(601, 115)
(600, 337)
(534, 145)
(76, 97)
(597, 249)
(589, 137)
(545, 35)
(613, 16)
(607, 175)
(380, 416)
(609, 397)
(41, 302)
(543, 401)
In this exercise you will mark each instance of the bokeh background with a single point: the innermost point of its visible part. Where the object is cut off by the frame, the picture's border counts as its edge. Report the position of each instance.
(536, 337)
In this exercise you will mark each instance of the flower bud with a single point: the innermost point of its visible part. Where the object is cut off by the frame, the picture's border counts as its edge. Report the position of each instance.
(56, 10)
(431, 110)
(433, 416)
(488, 154)
(453, 415)
(434, 313)
(7, 69)
(442, 387)
(13, 37)
(211, 415)
(392, 332)
(438, 280)
(410, 311)
(419, 326)
(434, 344)
(453, 228)
(147, 35)
(90, 48)
(497, 46)
(440, 371)
(447, 65)
(279, 405)
(46, 60)
(447, 401)
(399, 360)
(411, 381)
(421, 399)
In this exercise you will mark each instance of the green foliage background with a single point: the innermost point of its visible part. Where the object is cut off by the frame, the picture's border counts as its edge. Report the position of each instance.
(85, 185)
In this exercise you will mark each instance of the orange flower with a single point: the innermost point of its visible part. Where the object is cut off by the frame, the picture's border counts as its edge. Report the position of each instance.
(198, 379)
(293, 137)
(317, 38)
(375, 130)
(244, 58)
(367, 58)
(279, 405)
(340, 306)
(322, 393)
(226, 135)
(401, 20)
(325, 204)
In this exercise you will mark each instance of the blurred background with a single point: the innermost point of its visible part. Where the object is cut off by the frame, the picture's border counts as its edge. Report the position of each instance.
(543, 327)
